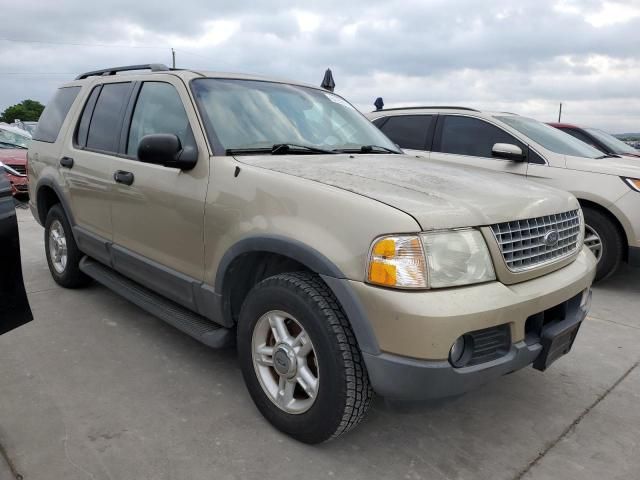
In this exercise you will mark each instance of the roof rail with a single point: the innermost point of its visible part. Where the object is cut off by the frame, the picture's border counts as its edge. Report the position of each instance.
(429, 108)
(154, 67)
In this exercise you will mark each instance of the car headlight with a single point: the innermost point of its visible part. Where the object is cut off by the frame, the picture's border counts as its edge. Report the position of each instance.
(430, 260)
(634, 183)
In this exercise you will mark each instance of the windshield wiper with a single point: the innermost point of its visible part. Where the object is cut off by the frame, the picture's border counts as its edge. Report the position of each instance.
(280, 149)
(367, 149)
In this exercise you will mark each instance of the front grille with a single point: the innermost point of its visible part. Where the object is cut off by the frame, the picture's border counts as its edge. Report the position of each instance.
(523, 243)
(21, 169)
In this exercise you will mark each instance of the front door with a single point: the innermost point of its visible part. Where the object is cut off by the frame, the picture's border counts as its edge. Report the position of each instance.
(466, 140)
(158, 219)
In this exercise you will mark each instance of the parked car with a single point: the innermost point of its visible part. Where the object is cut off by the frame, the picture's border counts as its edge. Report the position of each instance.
(29, 127)
(599, 139)
(607, 188)
(13, 155)
(14, 305)
(274, 214)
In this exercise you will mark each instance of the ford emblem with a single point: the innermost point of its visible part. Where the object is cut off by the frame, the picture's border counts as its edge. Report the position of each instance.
(551, 238)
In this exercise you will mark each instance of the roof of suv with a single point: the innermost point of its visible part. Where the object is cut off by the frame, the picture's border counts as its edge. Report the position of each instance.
(157, 68)
(436, 109)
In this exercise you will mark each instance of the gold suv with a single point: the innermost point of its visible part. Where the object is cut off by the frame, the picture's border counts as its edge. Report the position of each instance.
(273, 214)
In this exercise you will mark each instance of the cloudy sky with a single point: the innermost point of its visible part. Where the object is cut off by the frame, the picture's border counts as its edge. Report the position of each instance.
(522, 56)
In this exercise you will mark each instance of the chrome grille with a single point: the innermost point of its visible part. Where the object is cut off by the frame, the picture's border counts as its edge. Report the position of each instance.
(524, 245)
(21, 169)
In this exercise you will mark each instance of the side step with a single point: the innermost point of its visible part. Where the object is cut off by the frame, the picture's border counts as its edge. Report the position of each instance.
(192, 324)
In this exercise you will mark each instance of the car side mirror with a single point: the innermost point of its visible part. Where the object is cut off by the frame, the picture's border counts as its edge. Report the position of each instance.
(508, 152)
(167, 150)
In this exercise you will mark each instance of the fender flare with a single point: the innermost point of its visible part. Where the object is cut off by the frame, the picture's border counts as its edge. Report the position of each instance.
(48, 182)
(316, 262)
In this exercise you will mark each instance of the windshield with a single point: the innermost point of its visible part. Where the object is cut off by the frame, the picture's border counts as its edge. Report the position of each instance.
(12, 139)
(550, 138)
(249, 114)
(615, 145)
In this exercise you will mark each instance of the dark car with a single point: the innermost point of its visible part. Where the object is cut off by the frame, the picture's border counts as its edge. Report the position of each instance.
(598, 139)
(14, 306)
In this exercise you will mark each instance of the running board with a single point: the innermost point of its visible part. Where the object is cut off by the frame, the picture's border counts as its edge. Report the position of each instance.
(191, 323)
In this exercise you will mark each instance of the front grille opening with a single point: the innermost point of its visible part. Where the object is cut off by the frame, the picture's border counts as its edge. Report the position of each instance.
(535, 324)
(524, 243)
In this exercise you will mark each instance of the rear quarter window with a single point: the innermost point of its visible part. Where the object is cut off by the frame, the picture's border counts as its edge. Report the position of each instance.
(54, 114)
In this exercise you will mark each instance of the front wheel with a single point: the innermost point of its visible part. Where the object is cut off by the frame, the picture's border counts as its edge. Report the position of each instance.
(300, 359)
(604, 240)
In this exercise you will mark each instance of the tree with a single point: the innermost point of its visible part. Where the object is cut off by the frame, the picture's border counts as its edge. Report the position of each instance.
(27, 111)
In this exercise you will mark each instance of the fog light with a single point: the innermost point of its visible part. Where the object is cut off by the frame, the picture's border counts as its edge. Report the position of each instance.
(461, 351)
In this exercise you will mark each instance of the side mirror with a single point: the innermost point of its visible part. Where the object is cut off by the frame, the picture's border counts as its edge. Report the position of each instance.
(167, 150)
(508, 152)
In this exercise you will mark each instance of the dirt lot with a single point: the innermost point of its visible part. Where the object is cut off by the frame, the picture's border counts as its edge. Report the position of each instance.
(95, 388)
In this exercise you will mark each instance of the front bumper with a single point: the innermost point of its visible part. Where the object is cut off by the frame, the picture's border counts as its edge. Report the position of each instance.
(19, 185)
(415, 330)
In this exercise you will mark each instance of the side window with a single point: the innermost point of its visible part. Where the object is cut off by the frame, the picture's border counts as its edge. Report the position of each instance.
(159, 109)
(408, 131)
(378, 122)
(104, 128)
(54, 114)
(473, 137)
(581, 136)
(83, 126)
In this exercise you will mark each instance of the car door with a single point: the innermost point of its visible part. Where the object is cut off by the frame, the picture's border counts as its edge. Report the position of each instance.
(88, 165)
(412, 133)
(466, 140)
(158, 212)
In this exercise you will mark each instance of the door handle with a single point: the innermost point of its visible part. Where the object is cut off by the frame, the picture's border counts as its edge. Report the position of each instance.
(66, 162)
(120, 176)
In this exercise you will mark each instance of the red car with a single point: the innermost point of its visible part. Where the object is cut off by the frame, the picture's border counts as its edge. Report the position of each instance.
(13, 158)
(598, 139)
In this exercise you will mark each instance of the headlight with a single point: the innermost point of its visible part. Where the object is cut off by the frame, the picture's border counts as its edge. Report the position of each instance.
(634, 183)
(430, 260)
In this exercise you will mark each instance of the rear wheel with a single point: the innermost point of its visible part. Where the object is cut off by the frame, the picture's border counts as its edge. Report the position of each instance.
(63, 255)
(300, 359)
(604, 240)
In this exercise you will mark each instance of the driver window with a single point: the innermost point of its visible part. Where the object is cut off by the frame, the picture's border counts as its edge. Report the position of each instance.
(158, 110)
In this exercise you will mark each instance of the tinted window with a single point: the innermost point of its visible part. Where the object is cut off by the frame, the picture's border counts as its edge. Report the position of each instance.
(83, 127)
(104, 130)
(54, 114)
(158, 110)
(470, 136)
(408, 131)
(580, 136)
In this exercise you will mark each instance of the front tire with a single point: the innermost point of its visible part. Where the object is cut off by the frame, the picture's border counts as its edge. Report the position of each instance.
(63, 255)
(604, 240)
(300, 359)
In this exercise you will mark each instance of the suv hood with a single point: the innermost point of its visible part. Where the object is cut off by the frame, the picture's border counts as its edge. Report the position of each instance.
(437, 194)
(622, 166)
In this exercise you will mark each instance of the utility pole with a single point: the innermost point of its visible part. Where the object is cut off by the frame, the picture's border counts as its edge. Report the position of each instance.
(560, 113)
(173, 56)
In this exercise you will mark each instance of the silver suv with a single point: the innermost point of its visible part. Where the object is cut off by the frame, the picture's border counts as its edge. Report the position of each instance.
(607, 187)
(273, 214)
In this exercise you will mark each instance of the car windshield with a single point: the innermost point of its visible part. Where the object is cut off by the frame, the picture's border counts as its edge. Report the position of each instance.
(9, 138)
(550, 138)
(615, 145)
(249, 114)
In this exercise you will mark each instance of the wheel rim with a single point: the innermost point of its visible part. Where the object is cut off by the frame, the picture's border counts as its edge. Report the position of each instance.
(593, 241)
(57, 246)
(285, 362)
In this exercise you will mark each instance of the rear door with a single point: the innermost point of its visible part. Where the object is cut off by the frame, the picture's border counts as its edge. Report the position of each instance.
(89, 167)
(158, 220)
(466, 140)
(409, 132)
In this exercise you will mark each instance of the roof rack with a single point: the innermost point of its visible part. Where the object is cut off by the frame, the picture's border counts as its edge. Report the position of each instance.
(429, 108)
(154, 67)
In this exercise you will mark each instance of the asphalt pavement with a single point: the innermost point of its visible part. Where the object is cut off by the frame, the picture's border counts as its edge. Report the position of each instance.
(95, 388)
